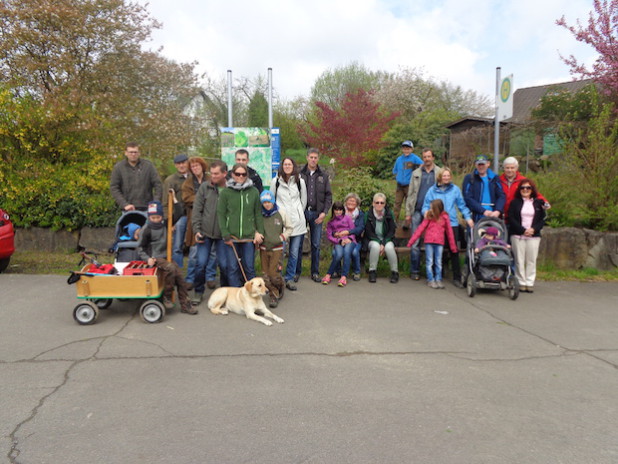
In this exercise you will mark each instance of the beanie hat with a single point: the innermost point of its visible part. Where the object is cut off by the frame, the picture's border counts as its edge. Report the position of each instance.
(267, 195)
(492, 231)
(155, 208)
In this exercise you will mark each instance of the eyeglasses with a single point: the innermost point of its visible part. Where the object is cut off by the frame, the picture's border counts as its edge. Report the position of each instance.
(525, 187)
(379, 202)
(240, 174)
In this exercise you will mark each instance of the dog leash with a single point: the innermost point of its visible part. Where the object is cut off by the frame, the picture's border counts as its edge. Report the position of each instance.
(235, 239)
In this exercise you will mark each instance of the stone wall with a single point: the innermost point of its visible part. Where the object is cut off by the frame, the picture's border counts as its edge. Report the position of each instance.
(566, 248)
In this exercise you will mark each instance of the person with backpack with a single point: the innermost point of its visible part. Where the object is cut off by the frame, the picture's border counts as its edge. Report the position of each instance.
(290, 193)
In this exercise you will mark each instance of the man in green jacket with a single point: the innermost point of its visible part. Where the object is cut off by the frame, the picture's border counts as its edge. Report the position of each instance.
(239, 212)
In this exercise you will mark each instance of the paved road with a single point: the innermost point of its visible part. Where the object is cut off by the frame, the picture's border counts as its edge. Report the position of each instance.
(367, 374)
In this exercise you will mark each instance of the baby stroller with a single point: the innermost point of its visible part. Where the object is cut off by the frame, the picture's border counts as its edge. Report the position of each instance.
(125, 245)
(492, 267)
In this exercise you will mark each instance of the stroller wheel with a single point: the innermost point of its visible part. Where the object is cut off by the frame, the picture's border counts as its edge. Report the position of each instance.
(513, 287)
(471, 285)
(86, 313)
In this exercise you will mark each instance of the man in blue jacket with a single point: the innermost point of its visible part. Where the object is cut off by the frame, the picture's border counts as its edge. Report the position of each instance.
(404, 165)
(482, 191)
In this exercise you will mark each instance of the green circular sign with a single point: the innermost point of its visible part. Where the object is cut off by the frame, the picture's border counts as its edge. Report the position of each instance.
(505, 90)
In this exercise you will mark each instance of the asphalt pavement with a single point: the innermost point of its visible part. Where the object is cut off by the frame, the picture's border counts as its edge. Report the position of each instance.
(370, 373)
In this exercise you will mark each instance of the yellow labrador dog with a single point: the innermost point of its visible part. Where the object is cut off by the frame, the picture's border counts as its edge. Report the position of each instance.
(245, 300)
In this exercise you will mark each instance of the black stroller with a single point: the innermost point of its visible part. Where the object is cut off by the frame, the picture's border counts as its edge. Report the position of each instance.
(492, 267)
(125, 245)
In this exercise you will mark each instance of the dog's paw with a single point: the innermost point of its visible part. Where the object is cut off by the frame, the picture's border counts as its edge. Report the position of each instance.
(267, 322)
(278, 319)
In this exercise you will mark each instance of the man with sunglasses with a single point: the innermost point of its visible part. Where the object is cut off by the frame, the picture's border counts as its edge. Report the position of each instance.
(239, 212)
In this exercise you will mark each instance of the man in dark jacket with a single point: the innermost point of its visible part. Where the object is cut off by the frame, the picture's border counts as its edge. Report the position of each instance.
(206, 224)
(174, 182)
(135, 182)
(319, 201)
(242, 157)
(482, 191)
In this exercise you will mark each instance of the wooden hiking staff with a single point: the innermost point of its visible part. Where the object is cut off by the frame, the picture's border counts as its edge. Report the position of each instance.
(170, 219)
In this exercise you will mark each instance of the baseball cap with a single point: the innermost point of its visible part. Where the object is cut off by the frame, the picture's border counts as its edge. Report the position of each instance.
(407, 143)
(181, 158)
(481, 159)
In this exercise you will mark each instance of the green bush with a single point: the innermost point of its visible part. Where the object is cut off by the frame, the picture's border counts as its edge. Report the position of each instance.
(364, 184)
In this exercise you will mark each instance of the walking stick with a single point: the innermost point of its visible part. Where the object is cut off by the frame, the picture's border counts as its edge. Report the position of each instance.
(235, 240)
(170, 207)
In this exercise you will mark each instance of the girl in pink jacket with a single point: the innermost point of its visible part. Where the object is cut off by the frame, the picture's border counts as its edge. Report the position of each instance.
(436, 226)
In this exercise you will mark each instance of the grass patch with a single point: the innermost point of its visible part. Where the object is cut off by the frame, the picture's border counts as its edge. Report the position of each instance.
(36, 262)
(550, 273)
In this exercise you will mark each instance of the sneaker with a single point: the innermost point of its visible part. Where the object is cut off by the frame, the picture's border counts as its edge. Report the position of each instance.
(432, 284)
(457, 283)
(356, 277)
(316, 278)
(189, 310)
(290, 286)
(415, 276)
(373, 276)
(439, 284)
(342, 282)
(197, 298)
(168, 303)
(326, 280)
(394, 277)
(296, 278)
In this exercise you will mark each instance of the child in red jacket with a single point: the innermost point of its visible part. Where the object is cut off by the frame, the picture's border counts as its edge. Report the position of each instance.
(436, 226)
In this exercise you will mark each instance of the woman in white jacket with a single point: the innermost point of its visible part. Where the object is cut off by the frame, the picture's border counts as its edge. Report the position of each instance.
(291, 195)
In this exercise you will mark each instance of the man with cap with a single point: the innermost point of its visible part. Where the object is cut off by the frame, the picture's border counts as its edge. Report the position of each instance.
(404, 165)
(135, 182)
(482, 191)
(174, 183)
(152, 247)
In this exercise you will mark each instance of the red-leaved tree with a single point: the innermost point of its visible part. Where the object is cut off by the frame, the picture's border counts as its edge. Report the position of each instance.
(349, 133)
(601, 32)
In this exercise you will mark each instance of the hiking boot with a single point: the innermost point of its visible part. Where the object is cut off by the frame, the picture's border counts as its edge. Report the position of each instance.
(415, 276)
(189, 310)
(296, 278)
(316, 278)
(394, 277)
(356, 277)
(457, 283)
(168, 303)
(197, 298)
(189, 285)
(290, 286)
(373, 276)
(211, 284)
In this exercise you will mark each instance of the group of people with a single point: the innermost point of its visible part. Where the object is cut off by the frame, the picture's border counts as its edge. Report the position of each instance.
(434, 203)
(222, 216)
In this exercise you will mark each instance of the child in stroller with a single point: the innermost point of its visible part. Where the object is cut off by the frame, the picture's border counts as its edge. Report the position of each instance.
(126, 236)
(487, 243)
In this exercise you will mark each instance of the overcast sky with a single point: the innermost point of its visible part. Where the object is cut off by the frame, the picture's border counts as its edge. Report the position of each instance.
(456, 40)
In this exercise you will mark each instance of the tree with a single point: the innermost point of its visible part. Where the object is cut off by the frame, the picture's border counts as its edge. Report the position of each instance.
(258, 110)
(601, 32)
(349, 133)
(333, 85)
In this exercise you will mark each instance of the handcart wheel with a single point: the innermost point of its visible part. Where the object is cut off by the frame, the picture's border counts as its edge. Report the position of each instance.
(152, 311)
(86, 313)
(102, 303)
(471, 285)
(513, 287)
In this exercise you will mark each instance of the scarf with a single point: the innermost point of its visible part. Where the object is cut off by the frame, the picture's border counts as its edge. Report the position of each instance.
(270, 212)
(236, 186)
(379, 217)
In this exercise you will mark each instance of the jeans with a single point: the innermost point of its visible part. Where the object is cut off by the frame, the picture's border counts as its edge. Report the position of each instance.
(193, 272)
(211, 266)
(315, 231)
(415, 251)
(246, 253)
(433, 261)
(356, 255)
(178, 241)
(345, 252)
(205, 259)
(295, 251)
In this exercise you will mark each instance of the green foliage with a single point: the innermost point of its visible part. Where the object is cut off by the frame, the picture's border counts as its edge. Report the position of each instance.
(559, 105)
(258, 110)
(360, 181)
(583, 183)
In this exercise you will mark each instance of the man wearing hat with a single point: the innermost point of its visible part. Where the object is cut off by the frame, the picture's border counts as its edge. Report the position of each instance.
(174, 183)
(404, 165)
(482, 190)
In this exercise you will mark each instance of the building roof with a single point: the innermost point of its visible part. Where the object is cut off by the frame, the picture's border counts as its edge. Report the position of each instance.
(528, 98)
